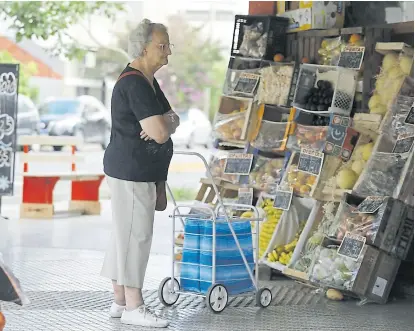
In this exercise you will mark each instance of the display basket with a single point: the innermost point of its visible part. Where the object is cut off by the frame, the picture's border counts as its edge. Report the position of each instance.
(274, 41)
(343, 84)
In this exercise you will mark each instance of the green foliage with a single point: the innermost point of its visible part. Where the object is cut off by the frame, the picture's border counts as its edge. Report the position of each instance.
(46, 19)
(26, 71)
(192, 67)
(182, 194)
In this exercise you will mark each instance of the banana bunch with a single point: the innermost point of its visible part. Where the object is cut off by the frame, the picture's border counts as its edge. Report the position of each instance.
(273, 216)
(284, 253)
(247, 214)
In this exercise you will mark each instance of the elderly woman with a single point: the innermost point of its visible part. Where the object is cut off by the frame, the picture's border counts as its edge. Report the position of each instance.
(136, 163)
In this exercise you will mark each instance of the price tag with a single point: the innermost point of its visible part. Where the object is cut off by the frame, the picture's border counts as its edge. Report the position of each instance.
(370, 205)
(404, 143)
(247, 83)
(283, 199)
(311, 161)
(352, 57)
(238, 164)
(410, 117)
(245, 197)
(352, 246)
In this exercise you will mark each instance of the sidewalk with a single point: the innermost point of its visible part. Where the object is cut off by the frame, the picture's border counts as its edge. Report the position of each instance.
(58, 263)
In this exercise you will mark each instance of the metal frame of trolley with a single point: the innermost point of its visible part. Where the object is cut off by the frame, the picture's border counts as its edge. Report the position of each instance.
(217, 295)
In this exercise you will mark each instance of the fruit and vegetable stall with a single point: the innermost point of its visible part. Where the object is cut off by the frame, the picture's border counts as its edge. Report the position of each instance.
(323, 121)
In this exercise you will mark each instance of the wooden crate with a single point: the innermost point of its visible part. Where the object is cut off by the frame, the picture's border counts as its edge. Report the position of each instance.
(307, 43)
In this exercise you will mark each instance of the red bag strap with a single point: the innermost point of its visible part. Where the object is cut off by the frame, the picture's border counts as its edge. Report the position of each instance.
(130, 73)
(138, 73)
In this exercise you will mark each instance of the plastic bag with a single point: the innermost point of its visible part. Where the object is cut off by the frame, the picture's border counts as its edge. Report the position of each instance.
(254, 42)
(10, 288)
(271, 136)
(302, 183)
(394, 123)
(306, 136)
(266, 173)
(231, 80)
(330, 51)
(332, 269)
(217, 166)
(314, 241)
(382, 174)
(230, 127)
(365, 225)
(275, 84)
(287, 233)
(231, 118)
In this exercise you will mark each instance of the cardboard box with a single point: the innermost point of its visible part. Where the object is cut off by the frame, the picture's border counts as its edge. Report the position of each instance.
(376, 275)
(284, 6)
(393, 227)
(320, 15)
(306, 4)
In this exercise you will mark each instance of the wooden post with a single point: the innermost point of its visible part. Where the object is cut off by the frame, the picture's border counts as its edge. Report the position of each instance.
(73, 161)
(26, 165)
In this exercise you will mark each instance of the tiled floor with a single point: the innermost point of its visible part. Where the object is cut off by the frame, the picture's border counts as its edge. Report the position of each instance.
(58, 264)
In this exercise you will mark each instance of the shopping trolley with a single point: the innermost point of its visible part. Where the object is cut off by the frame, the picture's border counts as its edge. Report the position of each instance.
(217, 295)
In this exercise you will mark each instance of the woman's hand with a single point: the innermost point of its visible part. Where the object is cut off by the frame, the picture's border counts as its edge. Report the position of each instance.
(145, 136)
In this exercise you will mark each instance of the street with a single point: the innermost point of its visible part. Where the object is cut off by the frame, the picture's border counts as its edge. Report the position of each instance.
(185, 171)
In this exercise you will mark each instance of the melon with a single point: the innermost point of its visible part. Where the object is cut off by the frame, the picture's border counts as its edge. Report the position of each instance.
(405, 63)
(390, 60)
(346, 179)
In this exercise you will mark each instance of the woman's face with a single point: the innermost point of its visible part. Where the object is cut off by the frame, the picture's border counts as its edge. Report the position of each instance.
(158, 49)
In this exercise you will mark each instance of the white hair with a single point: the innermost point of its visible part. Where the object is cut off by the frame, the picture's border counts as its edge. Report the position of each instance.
(141, 36)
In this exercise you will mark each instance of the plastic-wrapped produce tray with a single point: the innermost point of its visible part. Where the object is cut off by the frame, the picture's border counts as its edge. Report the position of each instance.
(325, 89)
(259, 36)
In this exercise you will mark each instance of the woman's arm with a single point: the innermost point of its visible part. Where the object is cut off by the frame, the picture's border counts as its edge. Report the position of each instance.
(155, 128)
(172, 121)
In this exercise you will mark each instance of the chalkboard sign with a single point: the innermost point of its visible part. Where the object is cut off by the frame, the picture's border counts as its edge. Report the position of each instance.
(238, 164)
(352, 246)
(247, 83)
(9, 82)
(283, 199)
(245, 197)
(410, 117)
(352, 57)
(310, 161)
(370, 205)
(404, 143)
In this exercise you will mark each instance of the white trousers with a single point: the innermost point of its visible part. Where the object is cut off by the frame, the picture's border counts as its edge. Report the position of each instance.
(133, 207)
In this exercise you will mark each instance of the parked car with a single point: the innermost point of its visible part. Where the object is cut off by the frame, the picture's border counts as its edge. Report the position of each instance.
(28, 121)
(84, 116)
(195, 129)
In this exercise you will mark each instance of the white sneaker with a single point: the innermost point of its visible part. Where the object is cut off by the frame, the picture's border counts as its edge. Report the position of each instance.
(116, 310)
(142, 317)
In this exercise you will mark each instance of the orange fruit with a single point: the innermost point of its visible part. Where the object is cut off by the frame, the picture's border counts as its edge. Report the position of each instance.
(2, 321)
(354, 38)
(305, 60)
(278, 58)
(311, 180)
(305, 189)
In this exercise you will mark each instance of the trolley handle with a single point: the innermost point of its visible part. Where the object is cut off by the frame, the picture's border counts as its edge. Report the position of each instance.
(237, 205)
(201, 207)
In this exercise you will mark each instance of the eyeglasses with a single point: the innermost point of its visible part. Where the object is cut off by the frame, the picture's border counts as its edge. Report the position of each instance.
(164, 47)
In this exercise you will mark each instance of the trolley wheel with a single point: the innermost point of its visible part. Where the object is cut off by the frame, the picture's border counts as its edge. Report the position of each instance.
(263, 297)
(165, 295)
(217, 298)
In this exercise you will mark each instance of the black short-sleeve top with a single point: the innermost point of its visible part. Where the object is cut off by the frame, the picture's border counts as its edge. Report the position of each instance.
(128, 157)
